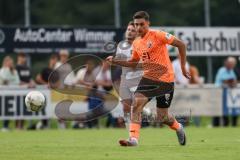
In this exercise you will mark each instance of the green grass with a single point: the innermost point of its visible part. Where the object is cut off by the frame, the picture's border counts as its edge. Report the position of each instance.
(203, 144)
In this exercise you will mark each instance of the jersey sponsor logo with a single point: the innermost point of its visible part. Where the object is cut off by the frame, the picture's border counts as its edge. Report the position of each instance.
(167, 98)
(168, 36)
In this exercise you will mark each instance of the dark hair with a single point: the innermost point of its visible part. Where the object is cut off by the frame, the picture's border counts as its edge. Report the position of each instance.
(141, 14)
(21, 54)
(53, 56)
(130, 23)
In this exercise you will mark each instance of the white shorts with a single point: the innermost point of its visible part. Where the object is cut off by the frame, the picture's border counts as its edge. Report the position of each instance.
(127, 88)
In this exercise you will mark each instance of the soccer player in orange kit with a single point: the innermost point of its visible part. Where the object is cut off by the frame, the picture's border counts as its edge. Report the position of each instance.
(158, 78)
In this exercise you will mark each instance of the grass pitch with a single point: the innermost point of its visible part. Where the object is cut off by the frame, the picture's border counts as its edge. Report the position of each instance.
(155, 144)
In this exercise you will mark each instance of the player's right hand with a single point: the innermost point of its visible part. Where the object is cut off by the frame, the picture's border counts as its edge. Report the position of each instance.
(186, 73)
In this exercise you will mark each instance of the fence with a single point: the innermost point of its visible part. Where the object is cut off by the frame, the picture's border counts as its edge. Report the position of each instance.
(205, 100)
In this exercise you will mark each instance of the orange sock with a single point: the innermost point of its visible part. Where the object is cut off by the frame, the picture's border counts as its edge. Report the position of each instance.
(175, 126)
(134, 129)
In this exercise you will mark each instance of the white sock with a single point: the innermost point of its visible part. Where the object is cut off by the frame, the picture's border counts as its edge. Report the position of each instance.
(127, 120)
(133, 140)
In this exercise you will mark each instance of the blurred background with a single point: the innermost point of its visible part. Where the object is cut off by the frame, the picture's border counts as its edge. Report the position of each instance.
(38, 36)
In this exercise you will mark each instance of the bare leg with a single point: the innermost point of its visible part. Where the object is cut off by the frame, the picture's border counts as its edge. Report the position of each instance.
(164, 117)
(169, 120)
(134, 128)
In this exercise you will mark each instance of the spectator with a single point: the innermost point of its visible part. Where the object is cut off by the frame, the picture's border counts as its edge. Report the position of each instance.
(43, 79)
(24, 71)
(64, 69)
(25, 76)
(237, 71)
(194, 73)
(95, 99)
(226, 77)
(8, 73)
(195, 79)
(104, 77)
(66, 76)
(179, 78)
(8, 76)
(105, 84)
(86, 77)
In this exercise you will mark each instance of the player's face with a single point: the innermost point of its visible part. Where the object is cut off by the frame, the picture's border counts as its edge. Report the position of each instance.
(131, 32)
(141, 26)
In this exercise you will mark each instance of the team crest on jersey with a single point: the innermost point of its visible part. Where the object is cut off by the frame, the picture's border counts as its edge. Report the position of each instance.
(168, 36)
(149, 44)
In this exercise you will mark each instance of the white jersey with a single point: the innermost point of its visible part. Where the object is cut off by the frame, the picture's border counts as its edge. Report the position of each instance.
(124, 52)
(130, 78)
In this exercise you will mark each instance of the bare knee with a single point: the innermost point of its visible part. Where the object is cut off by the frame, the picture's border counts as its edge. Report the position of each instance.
(164, 117)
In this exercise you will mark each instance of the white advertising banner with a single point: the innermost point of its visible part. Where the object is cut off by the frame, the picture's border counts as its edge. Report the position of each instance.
(232, 101)
(233, 98)
(207, 41)
(12, 105)
(197, 102)
(194, 102)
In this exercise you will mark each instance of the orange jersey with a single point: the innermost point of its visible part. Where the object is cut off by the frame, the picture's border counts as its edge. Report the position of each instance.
(152, 50)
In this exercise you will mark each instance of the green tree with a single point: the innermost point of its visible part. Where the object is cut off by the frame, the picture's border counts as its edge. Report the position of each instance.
(11, 12)
(101, 12)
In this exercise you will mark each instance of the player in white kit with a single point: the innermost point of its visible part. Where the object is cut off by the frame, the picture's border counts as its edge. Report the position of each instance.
(130, 77)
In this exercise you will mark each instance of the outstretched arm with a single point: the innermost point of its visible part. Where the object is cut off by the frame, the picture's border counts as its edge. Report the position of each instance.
(182, 53)
(115, 61)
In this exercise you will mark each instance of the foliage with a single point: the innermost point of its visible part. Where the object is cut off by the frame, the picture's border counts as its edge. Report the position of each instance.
(101, 12)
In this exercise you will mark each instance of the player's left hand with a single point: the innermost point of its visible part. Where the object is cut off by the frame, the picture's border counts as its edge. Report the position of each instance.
(109, 59)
